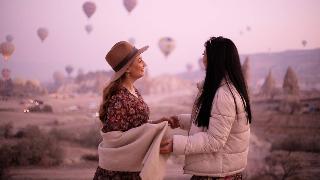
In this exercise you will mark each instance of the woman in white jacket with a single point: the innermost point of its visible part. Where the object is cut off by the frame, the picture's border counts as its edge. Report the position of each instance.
(219, 126)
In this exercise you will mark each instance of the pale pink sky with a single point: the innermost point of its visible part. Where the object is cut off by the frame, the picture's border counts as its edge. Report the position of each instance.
(275, 24)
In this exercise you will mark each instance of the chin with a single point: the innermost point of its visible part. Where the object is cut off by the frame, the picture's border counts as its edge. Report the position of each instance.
(140, 75)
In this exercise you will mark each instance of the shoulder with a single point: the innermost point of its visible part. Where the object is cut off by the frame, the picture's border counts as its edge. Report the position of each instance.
(225, 100)
(226, 92)
(119, 96)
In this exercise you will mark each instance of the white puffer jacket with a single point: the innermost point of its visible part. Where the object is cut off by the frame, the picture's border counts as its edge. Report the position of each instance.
(222, 149)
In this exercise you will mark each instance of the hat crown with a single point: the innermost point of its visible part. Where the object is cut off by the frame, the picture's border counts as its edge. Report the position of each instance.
(118, 53)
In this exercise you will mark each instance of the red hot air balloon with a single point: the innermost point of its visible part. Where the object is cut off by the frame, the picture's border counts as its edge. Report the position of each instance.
(89, 8)
(304, 43)
(130, 4)
(43, 33)
(7, 48)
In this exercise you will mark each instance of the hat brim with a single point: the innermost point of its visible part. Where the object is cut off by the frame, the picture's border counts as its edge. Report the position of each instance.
(119, 73)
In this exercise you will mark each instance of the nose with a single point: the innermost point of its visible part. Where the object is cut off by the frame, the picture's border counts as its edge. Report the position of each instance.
(144, 63)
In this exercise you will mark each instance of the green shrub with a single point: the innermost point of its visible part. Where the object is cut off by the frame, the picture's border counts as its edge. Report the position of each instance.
(5, 160)
(6, 130)
(30, 131)
(33, 148)
(298, 143)
(90, 157)
(63, 135)
(91, 138)
(86, 138)
(47, 108)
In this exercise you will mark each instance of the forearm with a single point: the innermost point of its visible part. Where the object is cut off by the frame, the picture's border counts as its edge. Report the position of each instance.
(155, 121)
(184, 121)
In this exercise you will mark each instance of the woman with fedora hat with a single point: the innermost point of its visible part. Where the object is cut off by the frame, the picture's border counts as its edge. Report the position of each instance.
(218, 128)
(122, 106)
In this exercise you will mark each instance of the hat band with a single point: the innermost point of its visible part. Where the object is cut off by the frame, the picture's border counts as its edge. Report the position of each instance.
(126, 59)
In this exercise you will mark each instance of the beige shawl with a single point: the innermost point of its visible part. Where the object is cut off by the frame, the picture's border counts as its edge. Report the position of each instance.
(135, 150)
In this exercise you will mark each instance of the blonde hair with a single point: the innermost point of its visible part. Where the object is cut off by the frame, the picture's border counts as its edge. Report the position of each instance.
(108, 91)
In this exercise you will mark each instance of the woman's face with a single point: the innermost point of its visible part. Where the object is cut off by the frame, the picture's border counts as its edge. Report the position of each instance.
(204, 59)
(136, 70)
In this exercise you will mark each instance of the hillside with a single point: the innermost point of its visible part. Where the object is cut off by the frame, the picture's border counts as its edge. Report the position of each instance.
(306, 63)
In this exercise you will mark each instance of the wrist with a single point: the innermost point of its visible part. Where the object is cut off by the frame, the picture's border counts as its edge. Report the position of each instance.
(153, 121)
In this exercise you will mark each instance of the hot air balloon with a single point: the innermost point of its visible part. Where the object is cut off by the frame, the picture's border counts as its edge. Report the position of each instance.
(248, 28)
(189, 67)
(7, 48)
(9, 38)
(89, 8)
(88, 28)
(42, 33)
(69, 69)
(129, 4)
(5, 73)
(166, 45)
(304, 43)
(132, 41)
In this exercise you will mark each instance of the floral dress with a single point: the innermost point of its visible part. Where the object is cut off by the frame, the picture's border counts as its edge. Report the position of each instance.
(125, 112)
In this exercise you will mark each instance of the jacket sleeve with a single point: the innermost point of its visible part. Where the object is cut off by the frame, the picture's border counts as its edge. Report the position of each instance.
(184, 121)
(222, 117)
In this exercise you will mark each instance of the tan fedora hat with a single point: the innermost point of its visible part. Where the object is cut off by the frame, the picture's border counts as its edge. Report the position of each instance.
(121, 56)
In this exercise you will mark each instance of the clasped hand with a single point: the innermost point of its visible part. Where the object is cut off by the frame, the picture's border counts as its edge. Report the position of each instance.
(172, 121)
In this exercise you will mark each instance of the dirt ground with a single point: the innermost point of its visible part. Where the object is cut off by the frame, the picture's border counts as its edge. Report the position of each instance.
(84, 171)
(78, 113)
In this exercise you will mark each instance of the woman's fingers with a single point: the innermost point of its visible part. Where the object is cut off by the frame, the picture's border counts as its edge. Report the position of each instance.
(166, 146)
(165, 149)
(164, 142)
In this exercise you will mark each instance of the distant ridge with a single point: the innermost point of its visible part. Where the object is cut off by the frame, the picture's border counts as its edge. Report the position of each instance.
(305, 62)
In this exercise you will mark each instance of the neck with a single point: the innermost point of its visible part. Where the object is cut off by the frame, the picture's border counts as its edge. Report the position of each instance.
(128, 83)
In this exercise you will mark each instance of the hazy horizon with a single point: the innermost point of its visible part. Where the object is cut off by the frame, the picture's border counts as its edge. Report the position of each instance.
(275, 26)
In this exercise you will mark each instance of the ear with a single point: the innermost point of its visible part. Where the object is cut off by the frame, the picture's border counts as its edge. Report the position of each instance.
(128, 70)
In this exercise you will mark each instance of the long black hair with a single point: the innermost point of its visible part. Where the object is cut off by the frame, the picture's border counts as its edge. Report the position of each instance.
(223, 62)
